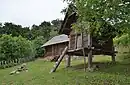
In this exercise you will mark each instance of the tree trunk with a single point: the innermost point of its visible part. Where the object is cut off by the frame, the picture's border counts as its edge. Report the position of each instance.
(90, 51)
(83, 51)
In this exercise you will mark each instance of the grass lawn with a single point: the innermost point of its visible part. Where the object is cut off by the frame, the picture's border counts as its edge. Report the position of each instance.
(38, 74)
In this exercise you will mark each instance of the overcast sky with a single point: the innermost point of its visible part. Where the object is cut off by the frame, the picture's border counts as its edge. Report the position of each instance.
(29, 12)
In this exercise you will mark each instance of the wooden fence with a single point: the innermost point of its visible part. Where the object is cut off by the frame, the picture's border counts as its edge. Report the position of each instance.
(10, 63)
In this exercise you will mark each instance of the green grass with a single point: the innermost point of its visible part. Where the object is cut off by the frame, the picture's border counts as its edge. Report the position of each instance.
(38, 74)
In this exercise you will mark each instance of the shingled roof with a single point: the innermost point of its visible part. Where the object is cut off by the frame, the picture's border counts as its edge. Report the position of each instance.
(57, 39)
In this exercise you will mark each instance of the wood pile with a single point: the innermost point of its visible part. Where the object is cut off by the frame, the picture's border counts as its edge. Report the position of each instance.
(22, 68)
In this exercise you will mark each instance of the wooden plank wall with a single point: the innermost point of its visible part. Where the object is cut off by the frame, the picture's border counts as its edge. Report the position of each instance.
(76, 43)
(55, 50)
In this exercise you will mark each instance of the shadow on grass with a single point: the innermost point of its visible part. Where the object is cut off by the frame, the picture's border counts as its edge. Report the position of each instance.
(108, 67)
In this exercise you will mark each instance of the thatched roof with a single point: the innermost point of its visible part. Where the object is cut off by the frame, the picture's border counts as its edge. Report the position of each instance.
(56, 40)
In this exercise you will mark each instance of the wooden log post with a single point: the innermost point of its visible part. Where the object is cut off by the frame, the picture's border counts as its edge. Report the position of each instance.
(90, 51)
(113, 55)
(68, 61)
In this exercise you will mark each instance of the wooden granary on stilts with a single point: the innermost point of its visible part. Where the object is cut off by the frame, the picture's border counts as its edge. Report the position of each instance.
(79, 43)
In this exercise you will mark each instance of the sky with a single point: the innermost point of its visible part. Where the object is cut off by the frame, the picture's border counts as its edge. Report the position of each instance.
(29, 12)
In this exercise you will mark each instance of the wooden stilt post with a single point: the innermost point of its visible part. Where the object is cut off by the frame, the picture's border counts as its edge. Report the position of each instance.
(68, 60)
(75, 41)
(83, 52)
(113, 55)
(90, 51)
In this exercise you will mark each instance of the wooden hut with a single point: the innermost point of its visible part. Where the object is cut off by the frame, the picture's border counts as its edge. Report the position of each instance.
(79, 43)
(55, 46)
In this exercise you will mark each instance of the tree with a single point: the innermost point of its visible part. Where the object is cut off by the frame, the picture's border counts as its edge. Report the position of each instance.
(14, 30)
(38, 42)
(43, 29)
(56, 22)
(34, 31)
(46, 29)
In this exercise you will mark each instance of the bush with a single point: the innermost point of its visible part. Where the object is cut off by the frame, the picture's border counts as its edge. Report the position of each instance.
(15, 47)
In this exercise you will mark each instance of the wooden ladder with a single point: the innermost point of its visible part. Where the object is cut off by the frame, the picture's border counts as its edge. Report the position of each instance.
(59, 60)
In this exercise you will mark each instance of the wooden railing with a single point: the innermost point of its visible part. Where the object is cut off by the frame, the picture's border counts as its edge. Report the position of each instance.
(14, 62)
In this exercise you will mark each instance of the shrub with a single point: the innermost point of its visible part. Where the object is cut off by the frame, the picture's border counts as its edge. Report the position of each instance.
(15, 47)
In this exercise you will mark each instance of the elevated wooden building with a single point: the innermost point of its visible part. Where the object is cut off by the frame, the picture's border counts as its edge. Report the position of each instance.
(79, 43)
(55, 46)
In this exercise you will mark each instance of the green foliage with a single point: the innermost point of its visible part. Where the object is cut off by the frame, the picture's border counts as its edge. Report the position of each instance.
(38, 42)
(15, 47)
(93, 14)
(14, 30)
(122, 40)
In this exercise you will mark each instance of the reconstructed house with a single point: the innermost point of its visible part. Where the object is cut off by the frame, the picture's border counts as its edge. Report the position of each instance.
(55, 46)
